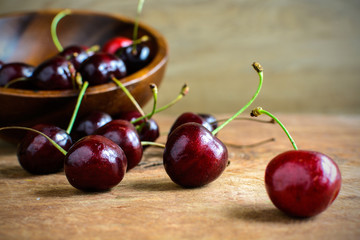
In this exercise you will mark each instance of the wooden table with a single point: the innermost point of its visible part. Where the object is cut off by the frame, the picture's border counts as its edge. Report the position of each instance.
(148, 205)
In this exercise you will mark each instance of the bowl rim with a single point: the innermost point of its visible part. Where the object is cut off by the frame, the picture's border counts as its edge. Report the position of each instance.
(157, 62)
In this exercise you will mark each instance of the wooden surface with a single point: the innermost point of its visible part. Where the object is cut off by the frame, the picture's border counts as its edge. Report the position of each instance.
(147, 205)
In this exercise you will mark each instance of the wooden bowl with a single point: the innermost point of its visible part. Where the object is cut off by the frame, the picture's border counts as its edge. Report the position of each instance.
(25, 37)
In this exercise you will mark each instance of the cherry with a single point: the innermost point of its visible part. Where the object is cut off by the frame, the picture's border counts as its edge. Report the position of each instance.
(210, 119)
(37, 155)
(135, 57)
(95, 163)
(37, 151)
(148, 129)
(101, 67)
(54, 73)
(190, 117)
(90, 123)
(124, 134)
(76, 55)
(194, 156)
(15, 74)
(301, 183)
(114, 44)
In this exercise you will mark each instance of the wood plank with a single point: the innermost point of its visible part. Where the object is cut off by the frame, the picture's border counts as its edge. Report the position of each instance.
(148, 205)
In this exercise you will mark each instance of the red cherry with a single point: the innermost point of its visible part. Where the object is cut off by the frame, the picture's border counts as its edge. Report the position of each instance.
(190, 117)
(100, 67)
(16, 70)
(124, 134)
(302, 183)
(115, 44)
(54, 73)
(95, 163)
(37, 155)
(90, 123)
(193, 156)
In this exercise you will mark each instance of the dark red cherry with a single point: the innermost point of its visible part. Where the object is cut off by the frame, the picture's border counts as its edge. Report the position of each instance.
(124, 134)
(135, 59)
(193, 156)
(100, 67)
(76, 55)
(115, 44)
(302, 183)
(90, 123)
(210, 119)
(149, 131)
(37, 155)
(16, 70)
(56, 73)
(95, 163)
(190, 117)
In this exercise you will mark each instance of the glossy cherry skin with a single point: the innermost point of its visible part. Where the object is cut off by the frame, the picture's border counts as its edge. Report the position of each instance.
(135, 60)
(76, 55)
(95, 163)
(56, 73)
(114, 44)
(90, 123)
(124, 134)
(190, 117)
(210, 119)
(193, 156)
(302, 183)
(150, 131)
(11, 71)
(37, 155)
(100, 67)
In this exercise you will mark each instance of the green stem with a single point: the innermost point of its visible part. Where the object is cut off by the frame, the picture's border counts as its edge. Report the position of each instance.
(259, 69)
(184, 91)
(258, 111)
(136, 25)
(20, 79)
(78, 103)
(154, 90)
(54, 24)
(36, 131)
(147, 143)
(246, 118)
(129, 95)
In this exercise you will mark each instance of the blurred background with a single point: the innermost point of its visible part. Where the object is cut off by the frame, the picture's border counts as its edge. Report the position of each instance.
(310, 50)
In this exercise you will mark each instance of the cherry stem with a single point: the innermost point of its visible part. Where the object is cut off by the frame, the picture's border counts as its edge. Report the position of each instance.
(54, 24)
(258, 111)
(129, 95)
(36, 131)
(183, 92)
(259, 70)
(154, 90)
(77, 106)
(136, 25)
(20, 79)
(155, 144)
(246, 118)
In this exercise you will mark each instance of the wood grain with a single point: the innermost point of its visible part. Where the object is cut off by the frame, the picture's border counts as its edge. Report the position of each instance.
(147, 205)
